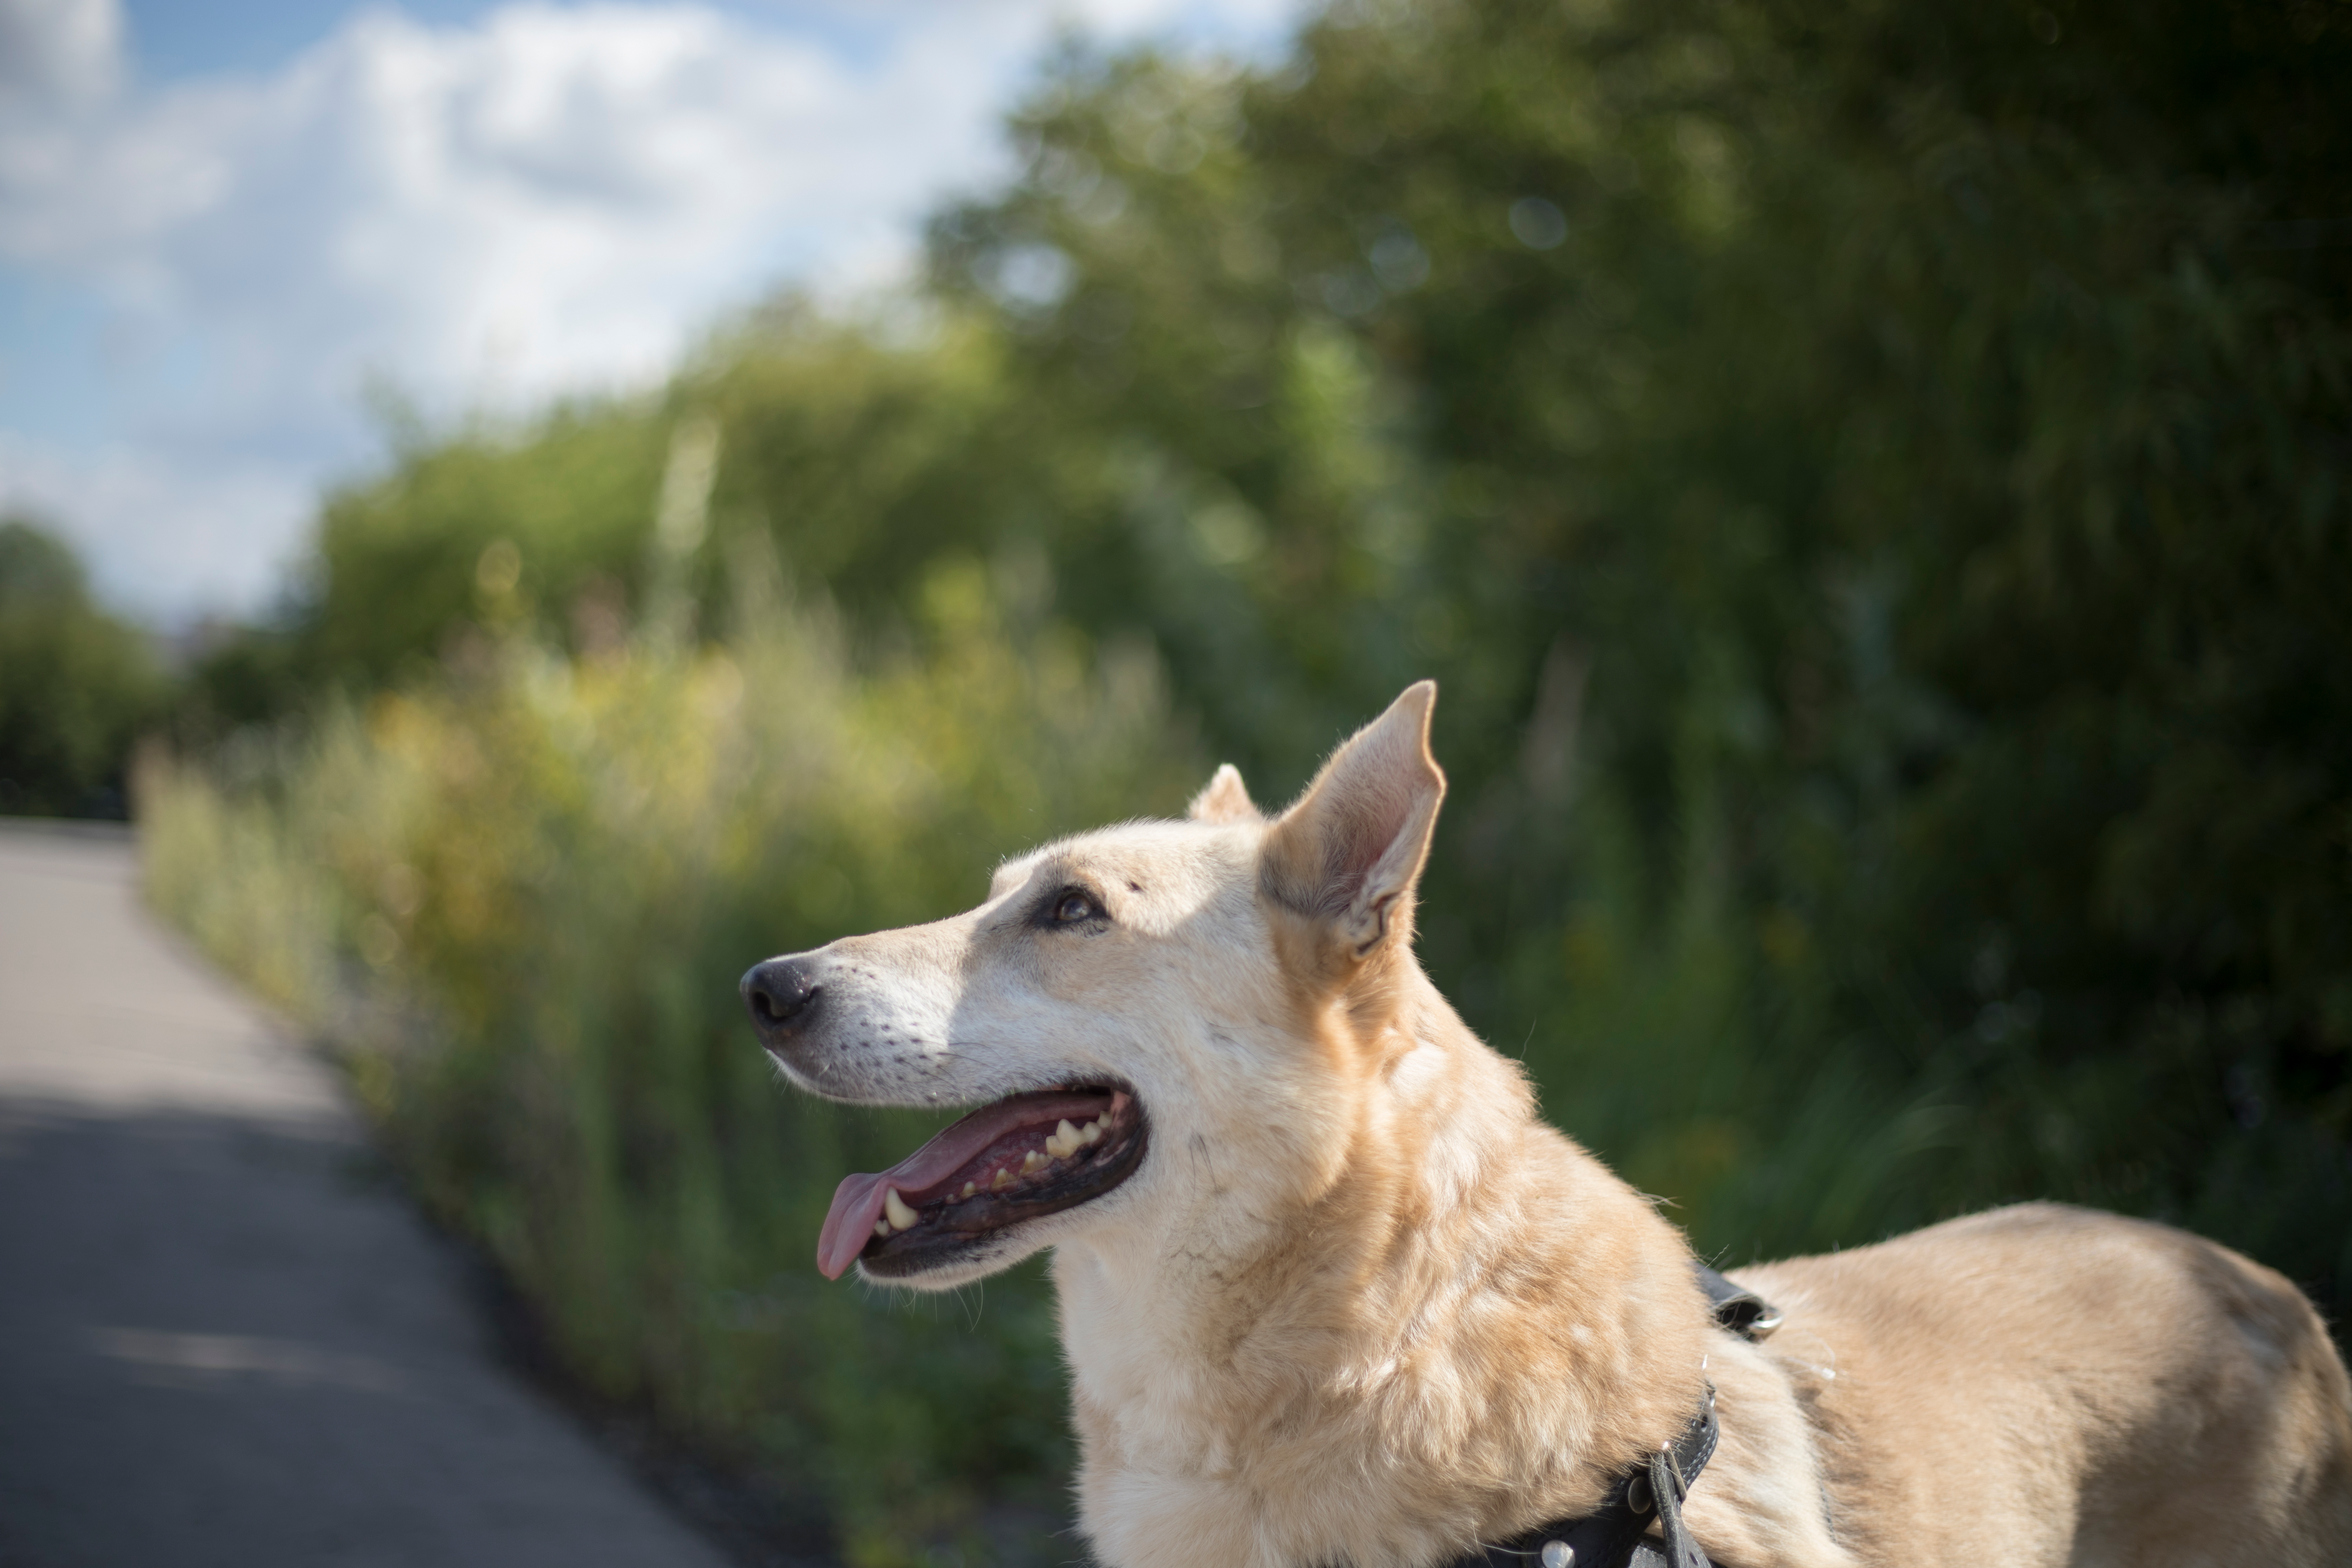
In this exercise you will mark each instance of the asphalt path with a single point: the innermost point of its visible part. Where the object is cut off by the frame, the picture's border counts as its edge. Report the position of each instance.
(225, 1337)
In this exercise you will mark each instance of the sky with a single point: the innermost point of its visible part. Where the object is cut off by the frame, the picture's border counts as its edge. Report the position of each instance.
(227, 230)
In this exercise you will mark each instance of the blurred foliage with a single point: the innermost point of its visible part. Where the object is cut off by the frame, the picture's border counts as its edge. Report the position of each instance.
(76, 684)
(1873, 482)
(1874, 485)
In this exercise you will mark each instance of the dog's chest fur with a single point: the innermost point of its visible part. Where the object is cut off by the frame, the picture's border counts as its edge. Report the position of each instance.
(1464, 1329)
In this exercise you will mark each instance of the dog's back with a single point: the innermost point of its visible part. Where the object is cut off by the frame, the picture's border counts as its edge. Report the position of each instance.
(2049, 1385)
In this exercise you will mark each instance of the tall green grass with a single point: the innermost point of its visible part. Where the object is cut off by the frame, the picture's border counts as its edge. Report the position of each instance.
(517, 897)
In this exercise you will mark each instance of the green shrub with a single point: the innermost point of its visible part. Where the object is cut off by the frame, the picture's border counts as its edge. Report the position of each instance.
(519, 898)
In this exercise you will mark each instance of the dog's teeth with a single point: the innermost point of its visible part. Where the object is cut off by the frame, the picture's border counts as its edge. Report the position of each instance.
(1032, 1161)
(1091, 1133)
(970, 1187)
(895, 1206)
(1003, 1179)
(881, 1227)
(1068, 1136)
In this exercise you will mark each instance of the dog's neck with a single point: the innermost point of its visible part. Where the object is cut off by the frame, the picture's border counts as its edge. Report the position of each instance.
(1426, 1306)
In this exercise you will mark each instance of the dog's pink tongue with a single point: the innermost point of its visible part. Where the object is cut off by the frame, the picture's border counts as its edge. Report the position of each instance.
(858, 1201)
(857, 1209)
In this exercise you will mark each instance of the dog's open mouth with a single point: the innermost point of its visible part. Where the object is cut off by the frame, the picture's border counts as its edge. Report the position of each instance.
(1019, 1159)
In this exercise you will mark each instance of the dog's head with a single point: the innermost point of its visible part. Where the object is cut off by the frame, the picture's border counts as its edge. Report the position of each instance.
(1150, 1017)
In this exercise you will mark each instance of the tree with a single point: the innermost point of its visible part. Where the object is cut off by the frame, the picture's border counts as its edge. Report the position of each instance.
(1895, 452)
(76, 684)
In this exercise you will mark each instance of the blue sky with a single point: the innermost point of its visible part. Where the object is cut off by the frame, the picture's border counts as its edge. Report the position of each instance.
(221, 224)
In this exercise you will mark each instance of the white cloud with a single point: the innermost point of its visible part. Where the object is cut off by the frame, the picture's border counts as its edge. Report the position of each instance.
(58, 53)
(549, 198)
(171, 538)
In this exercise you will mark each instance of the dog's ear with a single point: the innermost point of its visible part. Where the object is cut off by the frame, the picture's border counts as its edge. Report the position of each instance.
(1224, 799)
(1349, 852)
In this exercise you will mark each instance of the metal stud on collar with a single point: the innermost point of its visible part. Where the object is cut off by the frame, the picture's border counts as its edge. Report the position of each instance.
(1612, 1534)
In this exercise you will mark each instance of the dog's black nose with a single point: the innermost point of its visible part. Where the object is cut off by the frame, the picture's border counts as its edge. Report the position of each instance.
(780, 994)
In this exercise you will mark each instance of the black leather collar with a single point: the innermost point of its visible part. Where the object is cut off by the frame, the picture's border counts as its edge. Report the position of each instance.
(1614, 1535)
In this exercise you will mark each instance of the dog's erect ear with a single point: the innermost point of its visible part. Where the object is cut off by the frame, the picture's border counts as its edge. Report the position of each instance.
(1224, 799)
(1350, 851)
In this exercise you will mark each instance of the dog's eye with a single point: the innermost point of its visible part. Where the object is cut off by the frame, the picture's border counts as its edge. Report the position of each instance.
(1075, 907)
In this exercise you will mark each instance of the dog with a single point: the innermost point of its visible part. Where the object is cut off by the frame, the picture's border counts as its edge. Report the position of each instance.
(1332, 1293)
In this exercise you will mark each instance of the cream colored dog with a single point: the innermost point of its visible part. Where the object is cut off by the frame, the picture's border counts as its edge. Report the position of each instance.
(1332, 1294)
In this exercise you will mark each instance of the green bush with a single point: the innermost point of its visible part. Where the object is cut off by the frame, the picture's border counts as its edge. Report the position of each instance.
(519, 899)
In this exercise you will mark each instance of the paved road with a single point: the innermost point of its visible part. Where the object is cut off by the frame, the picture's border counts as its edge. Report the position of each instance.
(224, 1337)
